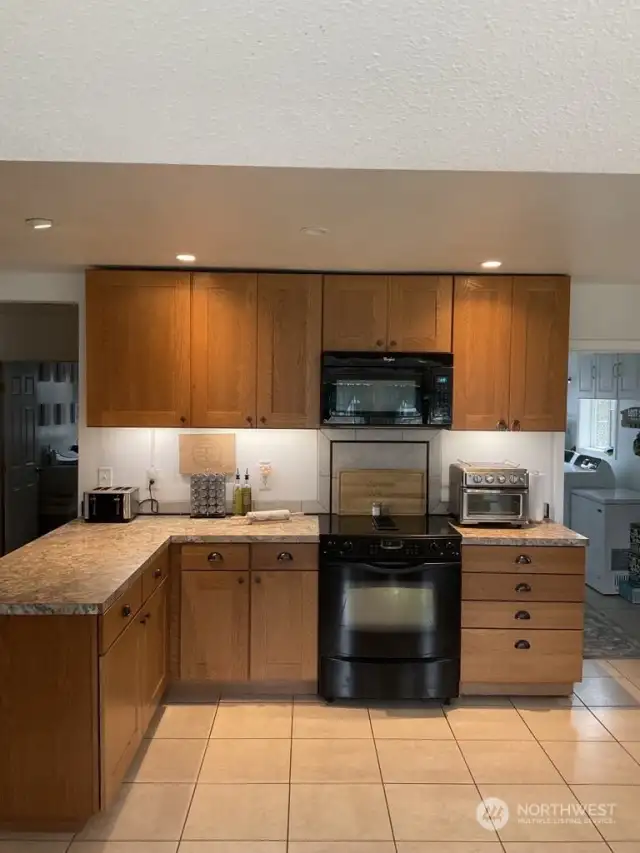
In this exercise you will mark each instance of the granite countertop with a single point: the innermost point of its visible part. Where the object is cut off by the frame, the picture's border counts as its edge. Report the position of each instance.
(82, 568)
(545, 533)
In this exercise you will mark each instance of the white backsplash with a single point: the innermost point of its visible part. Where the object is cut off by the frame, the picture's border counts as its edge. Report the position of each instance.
(300, 460)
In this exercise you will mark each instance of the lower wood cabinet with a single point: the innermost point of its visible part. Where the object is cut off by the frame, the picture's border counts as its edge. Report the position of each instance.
(154, 659)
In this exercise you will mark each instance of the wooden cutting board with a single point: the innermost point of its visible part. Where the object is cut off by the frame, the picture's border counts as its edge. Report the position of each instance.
(202, 454)
(401, 491)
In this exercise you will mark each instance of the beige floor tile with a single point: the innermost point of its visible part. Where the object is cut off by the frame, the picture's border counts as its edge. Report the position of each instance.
(608, 693)
(154, 812)
(598, 668)
(633, 748)
(328, 812)
(412, 723)
(8, 835)
(628, 669)
(436, 813)
(37, 847)
(487, 724)
(238, 813)
(233, 847)
(625, 817)
(342, 847)
(339, 760)
(253, 720)
(246, 760)
(623, 723)
(565, 724)
(422, 761)
(319, 721)
(624, 846)
(162, 760)
(449, 847)
(122, 847)
(183, 721)
(547, 702)
(555, 826)
(514, 761)
(559, 847)
(592, 763)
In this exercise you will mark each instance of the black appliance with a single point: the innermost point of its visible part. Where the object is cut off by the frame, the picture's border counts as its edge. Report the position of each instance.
(387, 389)
(389, 609)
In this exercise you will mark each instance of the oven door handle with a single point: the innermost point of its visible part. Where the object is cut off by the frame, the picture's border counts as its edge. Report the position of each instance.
(398, 568)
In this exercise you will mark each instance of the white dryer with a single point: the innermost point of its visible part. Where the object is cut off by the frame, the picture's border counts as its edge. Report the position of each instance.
(584, 472)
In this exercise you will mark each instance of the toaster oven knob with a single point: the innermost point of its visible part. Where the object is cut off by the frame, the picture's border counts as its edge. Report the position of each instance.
(488, 478)
(501, 479)
(477, 478)
(513, 479)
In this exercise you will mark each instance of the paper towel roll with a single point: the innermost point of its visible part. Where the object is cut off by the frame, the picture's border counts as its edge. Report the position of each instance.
(536, 496)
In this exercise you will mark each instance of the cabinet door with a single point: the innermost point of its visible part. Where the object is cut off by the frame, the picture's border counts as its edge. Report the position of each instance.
(214, 628)
(284, 626)
(586, 376)
(120, 708)
(154, 658)
(138, 337)
(223, 350)
(289, 348)
(539, 353)
(355, 312)
(628, 376)
(606, 376)
(481, 347)
(420, 313)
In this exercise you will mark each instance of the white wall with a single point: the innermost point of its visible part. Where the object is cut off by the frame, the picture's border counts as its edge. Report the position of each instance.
(446, 84)
(605, 317)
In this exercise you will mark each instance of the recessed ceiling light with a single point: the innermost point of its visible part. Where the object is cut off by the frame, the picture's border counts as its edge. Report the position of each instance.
(491, 265)
(186, 259)
(39, 224)
(314, 231)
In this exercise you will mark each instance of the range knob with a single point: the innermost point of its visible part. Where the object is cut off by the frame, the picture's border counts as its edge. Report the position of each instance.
(513, 478)
(488, 478)
(434, 546)
(346, 546)
(501, 479)
(477, 478)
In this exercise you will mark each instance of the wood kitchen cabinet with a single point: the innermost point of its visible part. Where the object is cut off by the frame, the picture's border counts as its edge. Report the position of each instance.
(214, 632)
(223, 349)
(289, 349)
(138, 339)
(510, 347)
(284, 626)
(405, 313)
(154, 654)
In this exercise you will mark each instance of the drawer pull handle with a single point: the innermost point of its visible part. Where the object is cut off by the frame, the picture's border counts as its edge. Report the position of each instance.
(240, 580)
(215, 557)
(523, 560)
(522, 644)
(522, 614)
(258, 579)
(285, 556)
(126, 611)
(523, 587)
(157, 573)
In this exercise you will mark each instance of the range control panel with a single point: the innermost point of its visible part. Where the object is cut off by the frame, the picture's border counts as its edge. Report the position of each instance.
(431, 550)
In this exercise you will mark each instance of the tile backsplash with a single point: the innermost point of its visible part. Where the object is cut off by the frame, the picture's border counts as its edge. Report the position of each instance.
(300, 460)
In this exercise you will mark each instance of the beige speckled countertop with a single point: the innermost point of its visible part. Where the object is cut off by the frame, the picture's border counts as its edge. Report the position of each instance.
(545, 533)
(81, 568)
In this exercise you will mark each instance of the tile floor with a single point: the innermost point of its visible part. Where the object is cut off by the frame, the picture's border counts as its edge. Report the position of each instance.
(294, 775)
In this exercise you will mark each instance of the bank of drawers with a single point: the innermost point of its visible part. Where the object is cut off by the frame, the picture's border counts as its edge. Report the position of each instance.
(522, 614)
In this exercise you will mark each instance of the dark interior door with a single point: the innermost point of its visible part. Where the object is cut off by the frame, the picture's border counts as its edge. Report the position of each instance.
(20, 498)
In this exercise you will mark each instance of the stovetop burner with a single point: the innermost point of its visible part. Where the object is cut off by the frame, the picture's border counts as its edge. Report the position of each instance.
(403, 526)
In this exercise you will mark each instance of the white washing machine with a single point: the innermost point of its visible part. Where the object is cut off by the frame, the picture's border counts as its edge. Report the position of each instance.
(584, 472)
(604, 515)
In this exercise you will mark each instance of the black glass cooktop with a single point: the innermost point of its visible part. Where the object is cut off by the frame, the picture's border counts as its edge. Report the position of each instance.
(388, 526)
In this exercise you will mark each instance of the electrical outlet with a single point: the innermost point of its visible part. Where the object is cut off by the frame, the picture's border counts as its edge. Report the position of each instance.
(265, 469)
(105, 476)
(153, 474)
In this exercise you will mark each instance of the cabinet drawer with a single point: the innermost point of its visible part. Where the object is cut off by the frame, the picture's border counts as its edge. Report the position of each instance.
(505, 656)
(118, 616)
(215, 556)
(505, 587)
(515, 559)
(154, 574)
(532, 615)
(283, 555)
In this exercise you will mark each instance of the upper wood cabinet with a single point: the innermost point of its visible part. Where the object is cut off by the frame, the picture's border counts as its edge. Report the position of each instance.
(138, 336)
(223, 349)
(406, 313)
(289, 347)
(510, 350)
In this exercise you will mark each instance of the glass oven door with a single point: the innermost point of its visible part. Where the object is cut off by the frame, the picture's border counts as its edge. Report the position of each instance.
(390, 610)
(493, 505)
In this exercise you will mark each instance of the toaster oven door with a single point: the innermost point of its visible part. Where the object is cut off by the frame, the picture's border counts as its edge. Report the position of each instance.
(493, 506)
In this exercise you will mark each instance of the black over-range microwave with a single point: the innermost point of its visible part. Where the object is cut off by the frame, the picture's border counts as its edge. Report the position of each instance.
(387, 389)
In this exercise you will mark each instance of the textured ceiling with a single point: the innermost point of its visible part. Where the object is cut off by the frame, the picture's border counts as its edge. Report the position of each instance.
(420, 84)
(584, 225)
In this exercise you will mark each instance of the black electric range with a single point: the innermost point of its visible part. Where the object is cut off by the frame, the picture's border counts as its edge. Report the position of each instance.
(390, 590)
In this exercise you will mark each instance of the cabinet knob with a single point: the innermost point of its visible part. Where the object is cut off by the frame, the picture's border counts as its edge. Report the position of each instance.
(257, 579)
(263, 420)
(183, 420)
(240, 580)
(157, 573)
(523, 560)
(215, 557)
(393, 343)
(143, 621)
(126, 611)
(522, 614)
(501, 425)
(285, 556)
(515, 426)
(523, 587)
(522, 644)
(249, 420)
(379, 342)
